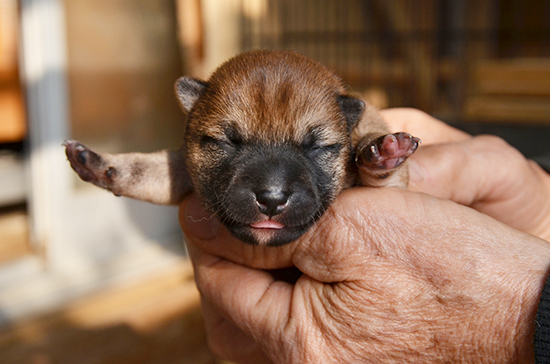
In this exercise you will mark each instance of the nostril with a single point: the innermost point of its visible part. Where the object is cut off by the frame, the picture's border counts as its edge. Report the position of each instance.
(271, 203)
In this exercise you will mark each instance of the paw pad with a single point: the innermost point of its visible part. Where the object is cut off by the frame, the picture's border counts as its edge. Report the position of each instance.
(387, 152)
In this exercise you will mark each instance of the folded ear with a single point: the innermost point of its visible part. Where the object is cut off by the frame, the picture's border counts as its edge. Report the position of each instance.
(188, 90)
(352, 109)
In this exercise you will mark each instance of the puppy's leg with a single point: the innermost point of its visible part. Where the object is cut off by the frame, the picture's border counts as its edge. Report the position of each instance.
(159, 177)
(380, 158)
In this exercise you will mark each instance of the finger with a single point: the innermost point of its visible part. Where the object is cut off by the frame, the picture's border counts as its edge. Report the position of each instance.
(421, 125)
(356, 231)
(327, 252)
(464, 172)
(248, 298)
(487, 174)
(227, 341)
(335, 249)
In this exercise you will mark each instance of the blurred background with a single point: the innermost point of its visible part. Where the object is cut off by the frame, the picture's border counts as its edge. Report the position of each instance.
(89, 278)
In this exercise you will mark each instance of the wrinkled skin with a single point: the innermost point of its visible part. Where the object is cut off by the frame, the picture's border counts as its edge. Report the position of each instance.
(391, 275)
(482, 172)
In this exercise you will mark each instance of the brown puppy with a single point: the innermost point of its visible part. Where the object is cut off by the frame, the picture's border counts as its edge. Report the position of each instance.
(271, 139)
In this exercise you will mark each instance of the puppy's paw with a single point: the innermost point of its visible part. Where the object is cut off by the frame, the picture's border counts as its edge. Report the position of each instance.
(386, 152)
(89, 165)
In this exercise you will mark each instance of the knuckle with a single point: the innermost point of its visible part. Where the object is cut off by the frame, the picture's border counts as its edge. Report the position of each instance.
(492, 141)
(417, 113)
(499, 149)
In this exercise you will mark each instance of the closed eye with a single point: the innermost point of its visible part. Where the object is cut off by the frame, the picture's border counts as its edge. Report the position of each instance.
(207, 139)
(332, 147)
(217, 142)
(233, 135)
(314, 142)
(317, 150)
(230, 141)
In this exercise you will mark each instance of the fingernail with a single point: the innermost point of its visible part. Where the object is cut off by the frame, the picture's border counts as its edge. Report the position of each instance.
(416, 173)
(199, 222)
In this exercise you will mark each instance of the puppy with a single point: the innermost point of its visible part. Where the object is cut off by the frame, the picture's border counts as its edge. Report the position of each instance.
(271, 139)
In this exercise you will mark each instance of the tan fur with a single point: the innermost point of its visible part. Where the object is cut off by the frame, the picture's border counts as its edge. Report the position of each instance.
(272, 104)
(281, 106)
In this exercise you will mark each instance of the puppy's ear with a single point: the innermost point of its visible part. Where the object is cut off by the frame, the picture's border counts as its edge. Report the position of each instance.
(188, 90)
(352, 109)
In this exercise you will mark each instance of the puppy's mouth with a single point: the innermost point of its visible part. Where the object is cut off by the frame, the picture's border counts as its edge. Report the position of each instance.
(267, 232)
(267, 224)
(270, 231)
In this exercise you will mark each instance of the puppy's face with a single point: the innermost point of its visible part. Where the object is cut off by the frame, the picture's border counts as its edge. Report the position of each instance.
(268, 143)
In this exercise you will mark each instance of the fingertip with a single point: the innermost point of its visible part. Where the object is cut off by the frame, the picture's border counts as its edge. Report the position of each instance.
(430, 170)
(444, 171)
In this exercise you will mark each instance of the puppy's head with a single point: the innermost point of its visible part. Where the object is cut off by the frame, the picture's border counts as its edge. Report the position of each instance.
(268, 143)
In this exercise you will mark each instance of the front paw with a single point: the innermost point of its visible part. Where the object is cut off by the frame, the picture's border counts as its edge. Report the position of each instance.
(386, 152)
(90, 166)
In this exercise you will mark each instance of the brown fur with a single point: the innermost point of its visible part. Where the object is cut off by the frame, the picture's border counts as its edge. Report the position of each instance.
(258, 110)
(282, 106)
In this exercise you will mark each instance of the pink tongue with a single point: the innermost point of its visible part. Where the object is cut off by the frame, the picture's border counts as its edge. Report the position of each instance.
(267, 224)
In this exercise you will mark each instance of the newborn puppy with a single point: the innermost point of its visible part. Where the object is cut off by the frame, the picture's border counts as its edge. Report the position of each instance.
(271, 139)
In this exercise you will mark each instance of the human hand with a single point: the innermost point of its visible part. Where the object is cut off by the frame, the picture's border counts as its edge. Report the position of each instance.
(482, 172)
(388, 276)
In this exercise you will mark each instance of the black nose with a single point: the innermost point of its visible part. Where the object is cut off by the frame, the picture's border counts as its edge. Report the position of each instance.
(271, 202)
